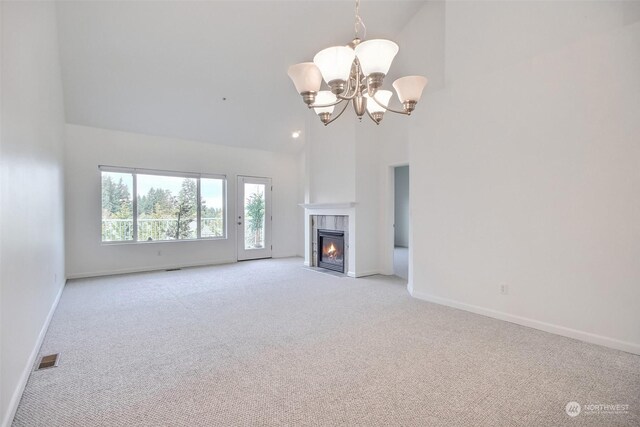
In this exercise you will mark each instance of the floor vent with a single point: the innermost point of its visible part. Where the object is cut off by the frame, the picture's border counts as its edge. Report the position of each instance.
(49, 361)
(173, 269)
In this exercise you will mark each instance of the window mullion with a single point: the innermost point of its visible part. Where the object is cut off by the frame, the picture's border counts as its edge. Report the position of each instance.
(224, 209)
(135, 207)
(198, 213)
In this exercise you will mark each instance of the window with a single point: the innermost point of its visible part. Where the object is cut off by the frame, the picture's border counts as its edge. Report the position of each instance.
(117, 206)
(212, 207)
(168, 205)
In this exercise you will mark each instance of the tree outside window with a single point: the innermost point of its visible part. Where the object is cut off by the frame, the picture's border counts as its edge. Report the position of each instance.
(254, 217)
(166, 207)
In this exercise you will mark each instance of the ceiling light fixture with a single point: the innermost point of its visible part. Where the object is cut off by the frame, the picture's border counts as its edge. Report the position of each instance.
(295, 134)
(355, 73)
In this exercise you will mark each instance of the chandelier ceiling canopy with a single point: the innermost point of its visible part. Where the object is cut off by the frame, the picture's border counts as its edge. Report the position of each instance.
(354, 74)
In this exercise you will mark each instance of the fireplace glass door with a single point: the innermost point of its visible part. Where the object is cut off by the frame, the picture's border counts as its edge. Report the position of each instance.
(331, 250)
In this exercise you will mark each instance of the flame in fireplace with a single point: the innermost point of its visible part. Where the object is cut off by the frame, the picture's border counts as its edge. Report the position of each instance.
(331, 251)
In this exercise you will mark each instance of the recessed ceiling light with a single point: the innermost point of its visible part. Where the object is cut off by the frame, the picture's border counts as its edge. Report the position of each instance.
(295, 134)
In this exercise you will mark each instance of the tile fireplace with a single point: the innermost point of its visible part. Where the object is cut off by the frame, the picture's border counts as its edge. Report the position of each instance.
(330, 242)
(334, 217)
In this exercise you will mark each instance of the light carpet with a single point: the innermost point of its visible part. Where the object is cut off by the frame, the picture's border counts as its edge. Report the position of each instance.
(271, 343)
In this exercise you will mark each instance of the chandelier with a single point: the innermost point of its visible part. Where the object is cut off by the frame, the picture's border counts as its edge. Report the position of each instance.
(354, 73)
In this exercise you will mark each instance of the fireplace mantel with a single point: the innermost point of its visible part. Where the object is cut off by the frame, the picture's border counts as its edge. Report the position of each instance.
(343, 205)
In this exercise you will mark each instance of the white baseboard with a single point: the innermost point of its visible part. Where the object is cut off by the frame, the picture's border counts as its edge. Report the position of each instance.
(364, 273)
(532, 323)
(285, 255)
(146, 269)
(17, 393)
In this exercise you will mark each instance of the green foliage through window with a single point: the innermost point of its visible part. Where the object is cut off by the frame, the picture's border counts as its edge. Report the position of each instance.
(117, 207)
(166, 207)
(254, 215)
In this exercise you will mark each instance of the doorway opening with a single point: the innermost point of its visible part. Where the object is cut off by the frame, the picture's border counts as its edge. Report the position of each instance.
(401, 222)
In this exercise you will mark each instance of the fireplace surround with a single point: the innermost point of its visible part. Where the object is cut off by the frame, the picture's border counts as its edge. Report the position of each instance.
(334, 230)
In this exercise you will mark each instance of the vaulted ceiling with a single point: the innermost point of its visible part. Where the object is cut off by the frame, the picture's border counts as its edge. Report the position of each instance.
(212, 71)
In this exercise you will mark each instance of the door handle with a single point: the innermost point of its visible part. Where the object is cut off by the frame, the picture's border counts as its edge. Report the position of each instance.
(239, 223)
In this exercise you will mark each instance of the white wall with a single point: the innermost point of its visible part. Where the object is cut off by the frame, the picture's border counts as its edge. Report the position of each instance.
(401, 202)
(524, 171)
(367, 184)
(87, 148)
(421, 52)
(331, 155)
(301, 179)
(341, 161)
(31, 208)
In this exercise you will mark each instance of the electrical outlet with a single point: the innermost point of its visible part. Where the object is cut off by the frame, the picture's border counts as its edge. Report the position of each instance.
(504, 289)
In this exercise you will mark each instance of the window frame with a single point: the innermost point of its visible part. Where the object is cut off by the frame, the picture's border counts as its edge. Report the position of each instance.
(134, 190)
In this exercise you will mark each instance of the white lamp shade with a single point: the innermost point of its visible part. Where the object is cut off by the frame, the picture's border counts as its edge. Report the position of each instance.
(305, 76)
(376, 55)
(410, 88)
(335, 62)
(383, 96)
(322, 98)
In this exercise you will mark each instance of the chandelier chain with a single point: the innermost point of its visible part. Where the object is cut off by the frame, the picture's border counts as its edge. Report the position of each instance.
(359, 23)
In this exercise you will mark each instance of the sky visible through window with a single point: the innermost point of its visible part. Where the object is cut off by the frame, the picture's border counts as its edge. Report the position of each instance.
(211, 192)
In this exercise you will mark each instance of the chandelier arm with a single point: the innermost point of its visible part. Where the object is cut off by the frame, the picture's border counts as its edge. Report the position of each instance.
(325, 105)
(371, 117)
(355, 87)
(346, 104)
(348, 85)
(385, 106)
(348, 98)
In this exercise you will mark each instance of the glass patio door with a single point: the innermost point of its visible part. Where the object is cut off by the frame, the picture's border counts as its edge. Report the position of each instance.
(253, 218)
